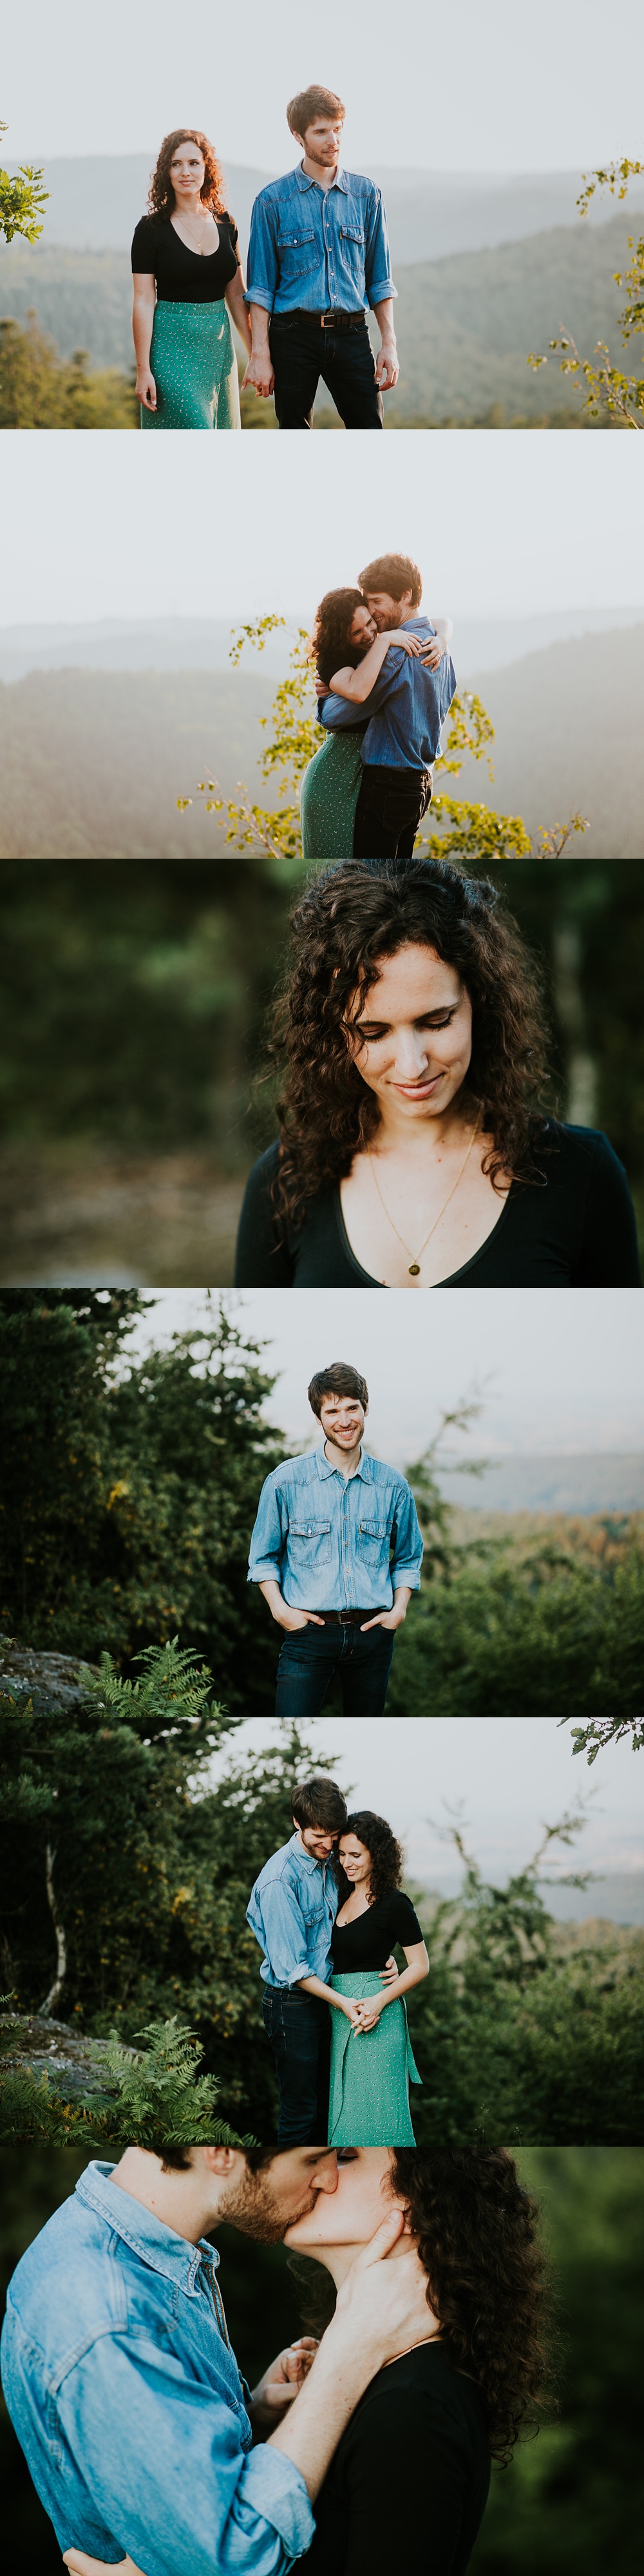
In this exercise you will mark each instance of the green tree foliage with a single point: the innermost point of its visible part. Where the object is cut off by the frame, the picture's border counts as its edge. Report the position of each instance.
(611, 394)
(466, 831)
(40, 390)
(22, 197)
(516, 2035)
(606, 1730)
(127, 1495)
(154, 2094)
(533, 1631)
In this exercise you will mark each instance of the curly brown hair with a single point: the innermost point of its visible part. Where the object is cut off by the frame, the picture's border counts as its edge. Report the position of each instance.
(161, 198)
(348, 920)
(385, 1854)
(478, 2239)
(331, 642)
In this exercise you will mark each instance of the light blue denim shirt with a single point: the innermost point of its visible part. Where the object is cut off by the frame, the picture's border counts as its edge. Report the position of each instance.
(334, 1543)
(405, 709)
(292, 1912)
(128, 2403)
(317, 248)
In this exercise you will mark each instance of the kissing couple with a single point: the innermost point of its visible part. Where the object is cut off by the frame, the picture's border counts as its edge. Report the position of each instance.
(143, 2440)
(385, 683)
(327, 1909)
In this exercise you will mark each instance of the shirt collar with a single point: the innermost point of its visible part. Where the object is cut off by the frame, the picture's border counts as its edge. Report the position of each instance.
(325, 1468)
(303, 181)
(155, 2244)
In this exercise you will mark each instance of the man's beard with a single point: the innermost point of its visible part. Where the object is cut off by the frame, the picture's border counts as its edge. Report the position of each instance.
(255, 2211)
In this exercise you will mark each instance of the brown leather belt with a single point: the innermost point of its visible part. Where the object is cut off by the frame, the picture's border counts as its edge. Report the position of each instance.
(348, 1618)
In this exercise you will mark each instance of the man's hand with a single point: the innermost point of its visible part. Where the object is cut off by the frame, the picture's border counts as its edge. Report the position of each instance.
(260, 374)
(370, 2011)
(280, 2383)
(387, 367)
(386, 2307)
(80, 2565)
(291, 1619)
(389, 1972)
(349, 2004)
(387, 1618)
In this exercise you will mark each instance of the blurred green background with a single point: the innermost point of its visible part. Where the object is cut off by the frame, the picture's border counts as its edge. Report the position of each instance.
(572, 2501)
(134, 998)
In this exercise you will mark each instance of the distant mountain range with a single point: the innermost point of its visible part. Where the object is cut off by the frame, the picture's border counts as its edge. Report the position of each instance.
(93, 760)
(203, 644)
(96, 200)
(466, 320)
(591, 1482)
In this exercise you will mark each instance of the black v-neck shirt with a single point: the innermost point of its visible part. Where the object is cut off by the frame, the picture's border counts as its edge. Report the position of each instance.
(574, 1229)
(408, 2485)
(366, 1943)
(183, 276)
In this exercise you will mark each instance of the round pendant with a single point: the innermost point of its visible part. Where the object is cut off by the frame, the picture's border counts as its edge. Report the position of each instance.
(414, 1270)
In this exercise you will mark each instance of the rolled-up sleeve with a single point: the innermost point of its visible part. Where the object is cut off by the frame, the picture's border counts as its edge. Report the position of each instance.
(267, 1542)
(377, 261)
(262, 267)
(276, 1918)
(336, 712)
(408, 1545)
(164, 2463)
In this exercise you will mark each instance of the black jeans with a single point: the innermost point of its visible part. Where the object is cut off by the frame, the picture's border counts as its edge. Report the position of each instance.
(299, 2029)
(311, 1658)
(391, 803)
(302, 351)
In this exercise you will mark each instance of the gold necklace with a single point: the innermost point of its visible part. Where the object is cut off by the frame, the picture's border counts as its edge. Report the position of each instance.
(414, 1266)
(196, 246)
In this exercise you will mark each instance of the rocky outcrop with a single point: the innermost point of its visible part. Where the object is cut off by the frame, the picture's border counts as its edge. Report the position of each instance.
(52, 1682)
(72, 2064)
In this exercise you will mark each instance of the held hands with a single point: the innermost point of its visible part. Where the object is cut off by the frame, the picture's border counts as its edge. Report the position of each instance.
(146, 392)
(280, 2384)
(259, 374)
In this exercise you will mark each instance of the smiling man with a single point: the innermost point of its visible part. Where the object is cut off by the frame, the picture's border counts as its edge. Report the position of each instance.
(140, 2434)
(318, 258)
(337, 1551)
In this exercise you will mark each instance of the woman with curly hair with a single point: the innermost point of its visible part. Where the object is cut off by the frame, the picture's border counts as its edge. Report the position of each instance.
(372, 2064)
(186, 270)
(409, 2481)
(349, 654)
(416, 1149)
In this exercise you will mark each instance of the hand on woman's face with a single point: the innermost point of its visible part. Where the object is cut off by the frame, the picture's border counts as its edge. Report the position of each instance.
(412, 1037)
(350, 2214)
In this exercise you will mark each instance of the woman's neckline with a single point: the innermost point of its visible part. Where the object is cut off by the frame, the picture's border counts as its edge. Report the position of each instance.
(453, 1276)
(197, 254)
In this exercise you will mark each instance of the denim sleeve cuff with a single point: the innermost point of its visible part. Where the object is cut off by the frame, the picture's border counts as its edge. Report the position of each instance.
(381, 291)
(264, 1569)
(259, 295)
(409, 1574)
(274, 2488)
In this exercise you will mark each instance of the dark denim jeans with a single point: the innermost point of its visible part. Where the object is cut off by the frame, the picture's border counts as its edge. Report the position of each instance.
(310, 1659)
(391, 803)
(302, 351)
(299, 2029)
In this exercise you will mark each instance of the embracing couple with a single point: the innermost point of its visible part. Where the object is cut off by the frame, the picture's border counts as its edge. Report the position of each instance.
(385, 683)
(143, 2440)
(327, 1910)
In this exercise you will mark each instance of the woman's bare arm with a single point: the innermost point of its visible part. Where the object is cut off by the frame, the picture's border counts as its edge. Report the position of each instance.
(417, 1968)
(143, 312)
(238, 310)
(357, 684)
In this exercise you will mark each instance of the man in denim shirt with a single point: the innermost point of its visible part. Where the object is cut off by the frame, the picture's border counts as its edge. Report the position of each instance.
(405, 712)
(337, 1551)
(124, 2391)
(318, 256)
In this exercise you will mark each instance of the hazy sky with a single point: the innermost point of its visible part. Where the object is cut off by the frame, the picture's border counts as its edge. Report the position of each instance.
(531, 1358)
(506, 1775)
(499, 88)
(123, 526)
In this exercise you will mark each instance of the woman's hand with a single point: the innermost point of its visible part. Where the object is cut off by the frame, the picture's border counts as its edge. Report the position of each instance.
(408, 643)
(146, 392)
(370, 2011)
(351, 2007)
(281, 2381)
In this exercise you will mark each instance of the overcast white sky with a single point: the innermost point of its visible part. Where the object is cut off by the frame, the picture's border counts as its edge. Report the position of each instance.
(494, 88)
(532, 1358)
(501, 525)
(507, 1776)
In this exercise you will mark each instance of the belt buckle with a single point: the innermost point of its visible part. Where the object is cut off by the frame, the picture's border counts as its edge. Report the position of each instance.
(327, 321)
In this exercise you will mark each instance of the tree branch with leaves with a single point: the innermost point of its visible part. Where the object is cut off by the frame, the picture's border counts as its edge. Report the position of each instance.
(22, 197)
(609, 390)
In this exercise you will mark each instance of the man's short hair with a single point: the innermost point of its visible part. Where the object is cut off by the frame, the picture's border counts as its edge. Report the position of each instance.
(395, 574)
(318, 1803)
(178, 2159)
(312, 102)
(339, 1379)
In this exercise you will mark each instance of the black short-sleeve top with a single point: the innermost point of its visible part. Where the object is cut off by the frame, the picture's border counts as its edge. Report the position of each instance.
(573, 1229)
(183, 276)
(366, 1943)
(408, 2484)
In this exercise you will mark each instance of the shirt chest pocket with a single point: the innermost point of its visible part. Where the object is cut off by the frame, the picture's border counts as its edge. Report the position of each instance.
(352, 248)
(309, 1543)
(298, 254)
(374, 1539)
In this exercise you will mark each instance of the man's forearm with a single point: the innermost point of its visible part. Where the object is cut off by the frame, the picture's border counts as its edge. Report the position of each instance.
(385, 319)
(259, 321)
